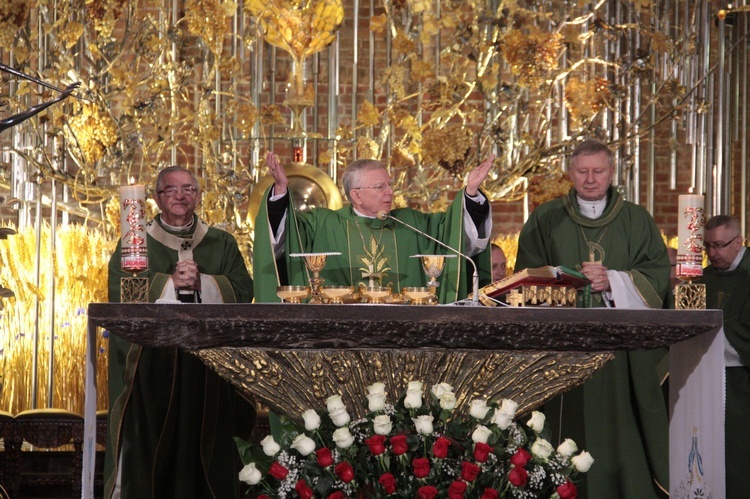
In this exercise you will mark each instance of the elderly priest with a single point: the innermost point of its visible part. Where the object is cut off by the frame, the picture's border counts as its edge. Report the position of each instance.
(371, 243)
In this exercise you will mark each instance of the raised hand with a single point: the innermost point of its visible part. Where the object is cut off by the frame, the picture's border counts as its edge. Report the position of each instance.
(477, 175)
(280, 180)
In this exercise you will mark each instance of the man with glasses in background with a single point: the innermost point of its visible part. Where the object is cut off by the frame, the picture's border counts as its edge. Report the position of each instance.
(374, 247)
(171, 419)
(727, 281)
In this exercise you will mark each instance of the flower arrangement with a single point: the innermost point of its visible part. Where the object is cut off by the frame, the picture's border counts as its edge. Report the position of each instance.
(415, 448)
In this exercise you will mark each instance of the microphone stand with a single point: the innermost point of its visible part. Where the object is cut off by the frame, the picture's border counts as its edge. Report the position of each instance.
(382, 215)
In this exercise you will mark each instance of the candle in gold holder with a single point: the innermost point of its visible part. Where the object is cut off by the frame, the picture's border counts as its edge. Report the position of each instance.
(691, 218)
(133, 228)
(690, 223)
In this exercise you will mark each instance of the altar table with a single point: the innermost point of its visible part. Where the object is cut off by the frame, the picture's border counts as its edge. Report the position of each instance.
(291, 357)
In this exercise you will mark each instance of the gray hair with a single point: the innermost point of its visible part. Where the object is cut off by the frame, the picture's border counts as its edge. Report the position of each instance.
(731, 222)
(591, 146)
(172, 169)
(352, 172)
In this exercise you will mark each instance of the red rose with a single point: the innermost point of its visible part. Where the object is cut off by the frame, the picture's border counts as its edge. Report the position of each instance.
(481, 451)
(520, 458)
(303, 491)
(469, 471)
(440, 447)
(324, 457)
(263, 496)
(567, 490)
(457, 490)
(398, 442)
(427, 492)
(489, 494)
(421, 467)
(278, 471)
(518, 476)
(337, 495)
(344, 471)
(376, 443)
(388, 483)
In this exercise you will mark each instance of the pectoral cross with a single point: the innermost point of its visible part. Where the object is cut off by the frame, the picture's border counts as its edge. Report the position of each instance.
(593, 249)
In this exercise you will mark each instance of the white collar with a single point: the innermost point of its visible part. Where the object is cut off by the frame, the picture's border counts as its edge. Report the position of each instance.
(592, 209)
(178, 228)
(737, 260)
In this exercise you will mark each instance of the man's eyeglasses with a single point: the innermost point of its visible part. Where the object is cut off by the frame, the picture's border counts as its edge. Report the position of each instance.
(378, 187)
(718, 246)
(188, 190)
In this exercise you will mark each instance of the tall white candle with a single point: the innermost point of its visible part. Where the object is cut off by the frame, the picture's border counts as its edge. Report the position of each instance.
(690, 221)
(133, 228)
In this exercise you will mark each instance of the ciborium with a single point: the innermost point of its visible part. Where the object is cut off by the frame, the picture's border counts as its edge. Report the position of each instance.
(374, 294)
(336, 294)
(421, 295)
(293, 294)
(315, 263)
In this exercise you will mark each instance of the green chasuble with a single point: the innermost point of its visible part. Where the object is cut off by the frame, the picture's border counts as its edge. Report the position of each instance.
(171, 419)
(620, 414)
(730, 292)
(361, 240)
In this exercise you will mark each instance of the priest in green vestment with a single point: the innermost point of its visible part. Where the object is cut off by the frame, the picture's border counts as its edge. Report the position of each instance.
(727, 281)
(376, 250)
(171, 419)
(619, 415)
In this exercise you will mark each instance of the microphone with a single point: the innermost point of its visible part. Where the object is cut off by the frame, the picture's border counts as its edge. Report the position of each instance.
(384, 215)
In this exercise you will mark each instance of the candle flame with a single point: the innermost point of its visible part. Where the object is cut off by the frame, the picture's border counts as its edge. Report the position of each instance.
(131, 181)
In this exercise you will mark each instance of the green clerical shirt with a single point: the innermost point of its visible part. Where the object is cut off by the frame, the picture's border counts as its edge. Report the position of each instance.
(171, 419)
(620, 414)
(385, 244)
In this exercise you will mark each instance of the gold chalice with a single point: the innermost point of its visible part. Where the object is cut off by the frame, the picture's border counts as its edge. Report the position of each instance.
(433, 266)
(374, 294)
(315, 262)
(422, 295)
(336, 294)
(293, 294)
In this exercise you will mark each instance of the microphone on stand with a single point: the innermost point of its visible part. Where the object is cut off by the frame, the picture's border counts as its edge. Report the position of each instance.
(383, 215)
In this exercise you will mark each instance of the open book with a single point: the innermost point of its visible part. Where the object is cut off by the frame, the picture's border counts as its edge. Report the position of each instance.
(541, 276)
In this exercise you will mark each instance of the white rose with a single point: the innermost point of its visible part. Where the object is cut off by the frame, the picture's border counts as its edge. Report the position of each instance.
(340, 417)
(303, 444)
(503, 416)
(501, 420)
(541, 448)
(413, 399)
(423, 424)
(414, 385)
(441, 388)
(250, 474)
(447, 401)
(478, 408)
(343, 438)
(382, 424)
(270, 447)
(312, 420)
(481, 434)
(376, 401)
(334, 402)
(567, 448)
(509, 408)
(582, 462)
(536, 422)
(376, 388)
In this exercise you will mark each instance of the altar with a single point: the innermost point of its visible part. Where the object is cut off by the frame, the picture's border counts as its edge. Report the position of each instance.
(291, 357)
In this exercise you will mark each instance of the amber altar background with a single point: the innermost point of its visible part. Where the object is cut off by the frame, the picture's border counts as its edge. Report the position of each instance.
(195, 83)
